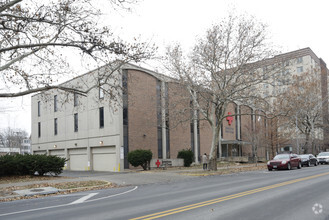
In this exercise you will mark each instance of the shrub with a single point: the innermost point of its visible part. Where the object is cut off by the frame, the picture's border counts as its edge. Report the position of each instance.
(187, 155)
(7, 165)
(29, 164)
(47, 164)
(140, 158)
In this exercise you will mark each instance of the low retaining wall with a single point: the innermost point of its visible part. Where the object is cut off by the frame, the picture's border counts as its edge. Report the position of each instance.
(236, 159)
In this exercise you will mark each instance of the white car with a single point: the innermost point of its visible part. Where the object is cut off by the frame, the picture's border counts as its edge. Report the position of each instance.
(323, 157)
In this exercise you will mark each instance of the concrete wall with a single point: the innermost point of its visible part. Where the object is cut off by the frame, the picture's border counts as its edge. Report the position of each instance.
(89, 133)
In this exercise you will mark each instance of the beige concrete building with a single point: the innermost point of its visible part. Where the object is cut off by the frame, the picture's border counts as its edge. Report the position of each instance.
(87, 130)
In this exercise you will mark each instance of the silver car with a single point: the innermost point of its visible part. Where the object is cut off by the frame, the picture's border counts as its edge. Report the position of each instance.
(323, 157)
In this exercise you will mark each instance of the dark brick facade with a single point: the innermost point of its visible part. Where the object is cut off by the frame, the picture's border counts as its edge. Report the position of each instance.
(143, 118)
(142, 112)
(179, 118)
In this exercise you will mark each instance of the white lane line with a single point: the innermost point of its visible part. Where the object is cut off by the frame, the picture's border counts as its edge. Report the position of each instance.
(65, 205)
(82, 199)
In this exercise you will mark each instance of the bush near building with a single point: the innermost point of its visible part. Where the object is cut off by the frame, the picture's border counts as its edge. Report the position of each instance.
(20, 165)
(187, 155)
(140, 158)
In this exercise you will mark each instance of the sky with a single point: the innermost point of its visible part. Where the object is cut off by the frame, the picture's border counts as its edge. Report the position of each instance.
(292, 24)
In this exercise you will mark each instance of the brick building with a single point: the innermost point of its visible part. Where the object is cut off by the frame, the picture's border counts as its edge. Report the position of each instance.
(152, 112)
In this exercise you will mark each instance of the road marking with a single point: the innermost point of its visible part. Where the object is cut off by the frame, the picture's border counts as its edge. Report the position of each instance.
(65, 205)
(82, 199)
(225, 198)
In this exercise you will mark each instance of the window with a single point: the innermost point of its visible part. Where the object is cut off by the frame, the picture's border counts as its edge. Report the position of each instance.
(299, 69)
(55, 103)
(39, 110)
(39, 129)
(101, 93)
(125, 117)
(55, 126)
(159, 118)
(285, 72)
(299, 59)
(101, 117)
(286, 63)
(76, 127)
(75, 99)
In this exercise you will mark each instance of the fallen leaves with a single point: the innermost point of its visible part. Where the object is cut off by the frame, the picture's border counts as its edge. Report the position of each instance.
(65, 188)
(27, 178)
(227, 170)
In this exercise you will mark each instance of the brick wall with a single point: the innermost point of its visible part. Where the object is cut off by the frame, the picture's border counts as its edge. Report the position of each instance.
(142, 111)
(205, 137)
(179, 118)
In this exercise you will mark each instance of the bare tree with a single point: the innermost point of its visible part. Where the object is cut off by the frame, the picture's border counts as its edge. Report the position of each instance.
(12, 138)
(221, 69)
(304, 103)
(259, 135)
(35, 37)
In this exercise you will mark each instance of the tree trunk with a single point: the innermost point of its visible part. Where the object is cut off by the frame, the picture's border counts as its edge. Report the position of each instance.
(313, 147)
(214, 145)
(307, 144)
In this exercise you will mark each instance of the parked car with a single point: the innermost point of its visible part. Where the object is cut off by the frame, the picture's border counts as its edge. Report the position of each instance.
(323, 157)
(308, 160)
(284, 161)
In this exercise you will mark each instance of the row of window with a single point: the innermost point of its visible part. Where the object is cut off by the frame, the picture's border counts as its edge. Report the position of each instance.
(284, 63)
(75, 103)
(76, 122)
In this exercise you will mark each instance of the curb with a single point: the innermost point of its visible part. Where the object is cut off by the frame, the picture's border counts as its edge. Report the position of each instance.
(37, 191)
(30, 193)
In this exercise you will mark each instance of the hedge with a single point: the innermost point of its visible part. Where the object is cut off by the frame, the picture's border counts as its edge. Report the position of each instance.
(30, 165)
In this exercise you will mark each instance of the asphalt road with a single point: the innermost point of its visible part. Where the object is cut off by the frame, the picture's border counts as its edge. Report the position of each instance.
(296, 194)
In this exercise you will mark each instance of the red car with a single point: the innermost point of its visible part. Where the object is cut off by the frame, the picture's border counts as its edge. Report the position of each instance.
(284, 161)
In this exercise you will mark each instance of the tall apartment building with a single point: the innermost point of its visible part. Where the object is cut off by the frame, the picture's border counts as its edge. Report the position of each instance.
(96, 132)
(288, 67)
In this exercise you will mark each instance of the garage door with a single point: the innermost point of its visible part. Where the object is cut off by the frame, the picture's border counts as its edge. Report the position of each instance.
(78, 159)
(59, 153)
(104, 158)
(40, 152)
